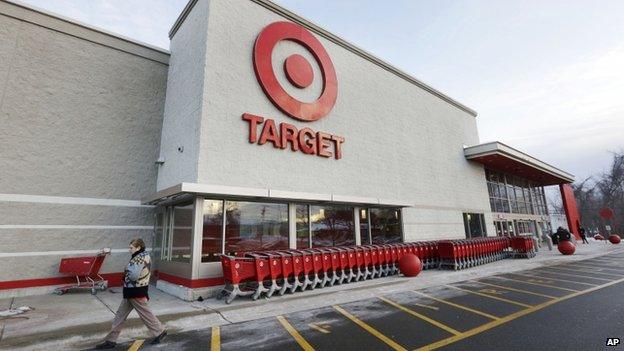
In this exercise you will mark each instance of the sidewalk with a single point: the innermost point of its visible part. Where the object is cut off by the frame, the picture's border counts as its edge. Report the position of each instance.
(79, 320)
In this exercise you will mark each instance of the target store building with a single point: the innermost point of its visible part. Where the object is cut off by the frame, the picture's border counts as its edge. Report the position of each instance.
(258, 130)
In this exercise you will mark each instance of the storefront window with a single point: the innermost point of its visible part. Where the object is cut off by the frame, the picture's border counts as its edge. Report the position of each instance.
(385, 225)
(303, 227)
(474, 224)
(255, 226)
(509, 194)
(212, 232)
(159, 234)
(364, 226)
(332, 226)
(182, 233)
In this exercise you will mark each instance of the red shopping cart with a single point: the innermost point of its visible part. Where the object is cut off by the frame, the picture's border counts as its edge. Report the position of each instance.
(86, 270)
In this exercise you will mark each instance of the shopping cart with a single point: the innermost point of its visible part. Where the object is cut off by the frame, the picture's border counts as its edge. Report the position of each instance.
(86, 270)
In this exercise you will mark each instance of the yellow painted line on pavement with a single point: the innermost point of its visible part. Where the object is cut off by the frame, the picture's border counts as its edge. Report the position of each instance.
(592, 264)
(426, 306)
(518, 290)
(589, 271)
(136, 345)
(457, 305)
(318, 328)
(295, 334)
(551, 278)
(540, 284)
(215, 340)
(423, 317)
(370, 329)
(510, 317)
(557, 271)
(491, 296)
(599, 268)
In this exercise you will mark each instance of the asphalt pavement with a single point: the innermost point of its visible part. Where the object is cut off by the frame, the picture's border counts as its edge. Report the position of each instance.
(572, 306)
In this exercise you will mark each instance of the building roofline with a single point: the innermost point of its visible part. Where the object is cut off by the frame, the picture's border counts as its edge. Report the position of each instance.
(59, 23)
(496, 147)
(336, 40)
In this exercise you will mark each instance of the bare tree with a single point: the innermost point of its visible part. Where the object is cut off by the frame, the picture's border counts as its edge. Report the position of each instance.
(603, 191)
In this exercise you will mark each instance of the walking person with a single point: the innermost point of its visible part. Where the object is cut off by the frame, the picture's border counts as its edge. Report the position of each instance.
(135, 285)
(583, 235)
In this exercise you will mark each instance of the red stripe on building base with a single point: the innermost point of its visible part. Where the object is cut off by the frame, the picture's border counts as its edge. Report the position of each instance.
(114, 279)
(191, 283)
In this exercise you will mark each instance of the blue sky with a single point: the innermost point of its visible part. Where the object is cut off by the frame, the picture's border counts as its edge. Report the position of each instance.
(546, 77)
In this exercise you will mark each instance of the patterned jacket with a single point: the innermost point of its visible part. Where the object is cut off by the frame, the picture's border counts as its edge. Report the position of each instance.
(137, 275)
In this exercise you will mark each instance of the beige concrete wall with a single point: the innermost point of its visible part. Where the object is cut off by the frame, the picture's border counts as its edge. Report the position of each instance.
(81, 114)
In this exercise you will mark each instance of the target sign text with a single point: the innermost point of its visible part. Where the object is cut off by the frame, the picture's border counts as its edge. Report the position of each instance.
(300, 75)
(286, 135)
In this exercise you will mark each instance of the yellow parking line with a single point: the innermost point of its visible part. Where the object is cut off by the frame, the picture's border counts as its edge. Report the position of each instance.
(491, 296)
(136, 345)
(508, 318)
(601, 269)
(295, 334)
(557, 279)
(589, 271)
(539, 284)
(423, 317)
(370, 329)
(318, 328)
(518, 290)
(215, 340)
(457, 305)
(557, 271)
(596, 265)
(587, 264)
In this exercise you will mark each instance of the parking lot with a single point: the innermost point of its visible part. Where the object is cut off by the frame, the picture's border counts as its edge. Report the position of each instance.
(545, 301)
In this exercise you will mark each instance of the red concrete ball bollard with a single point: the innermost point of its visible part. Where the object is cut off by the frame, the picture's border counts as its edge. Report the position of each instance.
(614, 239)
(410, 265)
(566, 247)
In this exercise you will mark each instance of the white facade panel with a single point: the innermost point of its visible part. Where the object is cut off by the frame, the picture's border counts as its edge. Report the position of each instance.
(184, 102)
(401, 141)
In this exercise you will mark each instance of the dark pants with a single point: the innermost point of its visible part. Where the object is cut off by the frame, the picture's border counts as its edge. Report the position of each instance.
(584, 239)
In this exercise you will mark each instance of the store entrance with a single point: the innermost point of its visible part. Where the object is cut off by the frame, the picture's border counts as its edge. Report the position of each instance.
(504, 228)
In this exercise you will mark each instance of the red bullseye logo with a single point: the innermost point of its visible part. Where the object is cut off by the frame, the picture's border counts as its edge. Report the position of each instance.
(297, 69)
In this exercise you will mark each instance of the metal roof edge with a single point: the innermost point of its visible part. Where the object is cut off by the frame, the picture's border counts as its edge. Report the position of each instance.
(502, 148)
(159, 54)
(178, 22)
(270, 194)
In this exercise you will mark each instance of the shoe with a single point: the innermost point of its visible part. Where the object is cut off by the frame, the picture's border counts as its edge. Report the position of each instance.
(106, 345)
(159, 338)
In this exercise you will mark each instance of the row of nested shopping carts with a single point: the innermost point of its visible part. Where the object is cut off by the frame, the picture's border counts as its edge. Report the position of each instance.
(265, 273)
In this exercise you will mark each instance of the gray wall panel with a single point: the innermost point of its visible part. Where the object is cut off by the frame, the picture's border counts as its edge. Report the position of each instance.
(44, 213)
(28, 240)
(36, 267)
(79, 118)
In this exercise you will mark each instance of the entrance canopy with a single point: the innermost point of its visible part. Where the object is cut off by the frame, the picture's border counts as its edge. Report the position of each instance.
(498, 156)
(185, 191)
